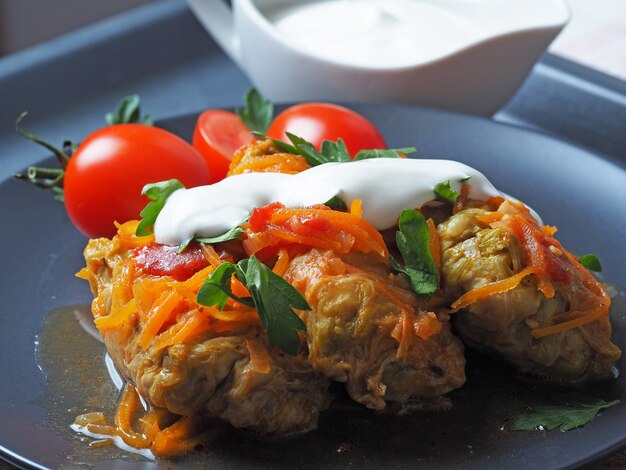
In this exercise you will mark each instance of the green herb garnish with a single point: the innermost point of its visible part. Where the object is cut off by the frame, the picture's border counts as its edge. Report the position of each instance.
(258, 112)
(413, 240)
(128, 112)
(158, 193)
(312, 155)
(335, 151)
(330, 152)
(571, 411)
(465, 180)
(272, 296)
(384, 153)
(233, 233)
(444, 192)
(591, 262)
(336, 204)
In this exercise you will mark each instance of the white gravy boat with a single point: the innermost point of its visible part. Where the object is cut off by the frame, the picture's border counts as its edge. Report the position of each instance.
(476, 76)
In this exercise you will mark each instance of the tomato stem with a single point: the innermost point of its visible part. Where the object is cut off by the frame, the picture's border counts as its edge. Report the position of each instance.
(62, 157)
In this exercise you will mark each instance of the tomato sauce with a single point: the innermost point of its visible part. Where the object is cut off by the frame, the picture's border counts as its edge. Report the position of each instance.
(164, 260)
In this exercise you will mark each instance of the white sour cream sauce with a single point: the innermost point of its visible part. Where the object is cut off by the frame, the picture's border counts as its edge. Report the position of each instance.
(386, 186)
(374, 33)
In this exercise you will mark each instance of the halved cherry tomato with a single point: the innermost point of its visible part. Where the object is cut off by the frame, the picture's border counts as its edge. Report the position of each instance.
(218, 134)
(317, 122)
(105, 176)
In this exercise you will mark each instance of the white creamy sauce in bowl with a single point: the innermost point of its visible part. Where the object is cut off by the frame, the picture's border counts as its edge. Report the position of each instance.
(381, 33)
(386, 186)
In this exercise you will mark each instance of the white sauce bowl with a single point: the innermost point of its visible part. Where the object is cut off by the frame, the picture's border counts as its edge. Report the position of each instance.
(474, 72)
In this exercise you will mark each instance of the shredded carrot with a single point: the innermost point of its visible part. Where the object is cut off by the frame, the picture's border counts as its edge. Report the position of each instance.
(126, 235)
(276, 163)
(120, 309)
(101, 443)
(497, 287)
(585, 318)
(158, 316)
(238, 288)
(189, 289)
(531, 239)
(488, 218)
(319, 227)
(211, 255)
(402, 333)
(243, 315)
(596, 302)
(102, 429)
(495, 202)
(85, 274)
(151, 422)
(548, 230)
(259, 356)
(282, 263)
(192, 324)
(356, 208)
(117, 317)
(183, 436)
(127, 410)
(427, 325)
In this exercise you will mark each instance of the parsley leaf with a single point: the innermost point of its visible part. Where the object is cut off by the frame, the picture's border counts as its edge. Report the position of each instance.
(308, 150)
(128, 112)
(336, 204)
(384, 153)
(284, 146)
(275, 299)
(272, 296)
(413, 241)
(216, 288)
(465, 180)
(591, 262)
(258, 112)
(572, 411)
(158, 193)
(335, 151)
(233, 233)
(444, 192)
(330, 151)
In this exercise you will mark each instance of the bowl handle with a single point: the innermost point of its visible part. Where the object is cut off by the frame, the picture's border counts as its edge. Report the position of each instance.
(217, 19)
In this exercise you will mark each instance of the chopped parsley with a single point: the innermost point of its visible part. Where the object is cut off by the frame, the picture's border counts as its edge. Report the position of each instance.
(158, 193)
(591, 262)
(272, 296)
(569, 412)
(257, 113)
(444, 192)
(413, 240)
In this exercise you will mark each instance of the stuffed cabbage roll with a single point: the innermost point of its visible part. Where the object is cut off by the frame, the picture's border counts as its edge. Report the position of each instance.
(368, 330)
(523, 296)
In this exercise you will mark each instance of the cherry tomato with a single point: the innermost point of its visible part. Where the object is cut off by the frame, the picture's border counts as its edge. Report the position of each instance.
(105, 176)
(317, 122)
(218, 134)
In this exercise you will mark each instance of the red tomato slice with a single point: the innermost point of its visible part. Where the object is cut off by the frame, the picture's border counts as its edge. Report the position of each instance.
(317, 122)
(218, 134)
(105, 176)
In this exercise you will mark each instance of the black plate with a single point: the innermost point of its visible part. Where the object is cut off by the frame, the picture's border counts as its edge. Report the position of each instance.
(581, 192)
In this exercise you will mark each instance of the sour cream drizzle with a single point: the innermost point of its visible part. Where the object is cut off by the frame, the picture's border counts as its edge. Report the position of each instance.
(386, 186)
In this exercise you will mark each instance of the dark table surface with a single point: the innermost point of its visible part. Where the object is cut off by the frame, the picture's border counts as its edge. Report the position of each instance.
(160, 52)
